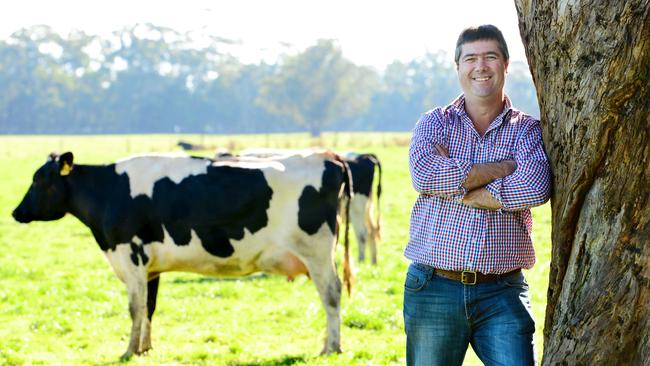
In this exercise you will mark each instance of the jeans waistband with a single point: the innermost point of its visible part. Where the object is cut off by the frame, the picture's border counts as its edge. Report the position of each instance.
(466, 277)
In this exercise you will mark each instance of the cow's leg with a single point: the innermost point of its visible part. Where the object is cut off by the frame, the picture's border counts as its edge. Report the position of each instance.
(131, 270)
(137, 291)
(323, 273)
(152, 294)
(372, 230)
(358, 221)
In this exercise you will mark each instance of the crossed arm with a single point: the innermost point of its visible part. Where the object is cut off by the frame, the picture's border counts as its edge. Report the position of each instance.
(510, 185)
(479, 176)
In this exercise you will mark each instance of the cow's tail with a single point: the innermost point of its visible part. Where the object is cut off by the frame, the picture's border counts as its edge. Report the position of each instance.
(348, 275)
(376, 161)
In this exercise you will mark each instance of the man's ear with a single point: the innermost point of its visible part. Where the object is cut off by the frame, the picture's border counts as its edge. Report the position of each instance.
(65, 163)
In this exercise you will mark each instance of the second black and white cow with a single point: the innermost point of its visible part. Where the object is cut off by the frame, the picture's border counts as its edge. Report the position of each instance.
(365, 211)
(364, 216)
(154, 214)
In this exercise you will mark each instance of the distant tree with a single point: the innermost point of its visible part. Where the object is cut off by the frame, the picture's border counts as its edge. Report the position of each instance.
(146, 78)
(317, 87)
(36, 84)
(409, 89)
(156, 72)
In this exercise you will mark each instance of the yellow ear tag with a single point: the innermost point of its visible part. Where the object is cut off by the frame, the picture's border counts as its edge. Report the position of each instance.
(66, 169)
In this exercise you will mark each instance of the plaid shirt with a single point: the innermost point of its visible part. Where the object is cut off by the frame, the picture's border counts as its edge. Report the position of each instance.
(449, 235)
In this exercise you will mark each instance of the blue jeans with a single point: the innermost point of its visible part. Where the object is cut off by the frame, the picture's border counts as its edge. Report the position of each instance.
(442, 317)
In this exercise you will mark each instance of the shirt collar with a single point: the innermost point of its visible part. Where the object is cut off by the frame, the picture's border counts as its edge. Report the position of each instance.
(458, 106)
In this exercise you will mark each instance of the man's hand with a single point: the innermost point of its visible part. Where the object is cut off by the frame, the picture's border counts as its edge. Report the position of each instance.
(508, 167)
(481, 198)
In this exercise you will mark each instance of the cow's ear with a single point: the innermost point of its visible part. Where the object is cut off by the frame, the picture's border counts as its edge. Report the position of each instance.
(65, 163)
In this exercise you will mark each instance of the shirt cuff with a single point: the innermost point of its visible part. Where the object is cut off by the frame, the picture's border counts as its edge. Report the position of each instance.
(494, 188)
(465, 167)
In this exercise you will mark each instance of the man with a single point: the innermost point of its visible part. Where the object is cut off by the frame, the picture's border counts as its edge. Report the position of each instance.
(479, 165)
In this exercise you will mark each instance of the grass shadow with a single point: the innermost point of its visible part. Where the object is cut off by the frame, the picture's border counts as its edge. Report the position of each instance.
(283, 361)
(207, 279)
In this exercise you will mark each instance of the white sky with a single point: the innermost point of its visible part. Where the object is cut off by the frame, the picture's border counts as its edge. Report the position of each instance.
(370, 32)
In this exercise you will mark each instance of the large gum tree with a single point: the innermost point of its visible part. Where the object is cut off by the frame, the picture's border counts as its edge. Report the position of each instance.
(590, 62)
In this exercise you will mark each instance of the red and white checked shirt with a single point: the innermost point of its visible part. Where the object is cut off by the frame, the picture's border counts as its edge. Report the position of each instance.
(448, 235)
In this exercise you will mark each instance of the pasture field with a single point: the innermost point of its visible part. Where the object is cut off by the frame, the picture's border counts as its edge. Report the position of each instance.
(61, 304)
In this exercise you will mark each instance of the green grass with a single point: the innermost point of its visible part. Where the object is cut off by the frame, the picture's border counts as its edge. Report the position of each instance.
(61, 304)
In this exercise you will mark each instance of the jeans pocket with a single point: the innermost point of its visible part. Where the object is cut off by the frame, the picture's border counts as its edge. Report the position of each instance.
(515, 281)
(415, 279)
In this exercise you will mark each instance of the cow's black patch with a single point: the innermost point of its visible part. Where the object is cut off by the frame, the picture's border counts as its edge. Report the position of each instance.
(316, 207)
(101, 199)
(138, 255)
(218, 206)
(363, 169)
(152, 295)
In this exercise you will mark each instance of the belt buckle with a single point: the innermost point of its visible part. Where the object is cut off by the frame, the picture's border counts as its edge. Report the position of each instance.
(464, 277)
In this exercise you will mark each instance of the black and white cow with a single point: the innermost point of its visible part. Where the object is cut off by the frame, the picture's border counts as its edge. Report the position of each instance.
(154, 214)
(364, 216)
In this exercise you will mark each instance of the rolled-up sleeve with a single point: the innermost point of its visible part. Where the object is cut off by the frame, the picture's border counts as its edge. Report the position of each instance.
(432, 174)
(530, 184)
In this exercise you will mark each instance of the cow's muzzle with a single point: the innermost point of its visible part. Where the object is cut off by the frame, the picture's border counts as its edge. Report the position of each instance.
(20, 217)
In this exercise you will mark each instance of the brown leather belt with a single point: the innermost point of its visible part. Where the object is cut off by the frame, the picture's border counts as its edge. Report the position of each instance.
(471, 277)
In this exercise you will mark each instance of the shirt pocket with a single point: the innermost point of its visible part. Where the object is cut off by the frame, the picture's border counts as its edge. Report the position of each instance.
(500, 153)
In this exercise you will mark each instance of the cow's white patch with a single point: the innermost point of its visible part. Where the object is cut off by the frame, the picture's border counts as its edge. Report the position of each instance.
(252, 163)
(261, 152)
(350, 155)
(144, 171)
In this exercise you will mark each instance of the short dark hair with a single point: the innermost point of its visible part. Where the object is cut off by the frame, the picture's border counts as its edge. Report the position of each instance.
(482, 32)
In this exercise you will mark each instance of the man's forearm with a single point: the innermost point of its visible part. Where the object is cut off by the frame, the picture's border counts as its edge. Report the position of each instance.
(481, 198)
(482, 174)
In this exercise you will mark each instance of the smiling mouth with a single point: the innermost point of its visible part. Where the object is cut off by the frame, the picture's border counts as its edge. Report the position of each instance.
(485, 78)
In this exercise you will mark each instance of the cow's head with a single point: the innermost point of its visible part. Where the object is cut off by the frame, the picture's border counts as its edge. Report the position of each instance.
(47, 196)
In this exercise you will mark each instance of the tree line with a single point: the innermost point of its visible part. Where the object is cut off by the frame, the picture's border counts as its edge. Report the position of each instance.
(152, 79)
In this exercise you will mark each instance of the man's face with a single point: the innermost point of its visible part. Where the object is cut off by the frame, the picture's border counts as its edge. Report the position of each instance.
(482, 69)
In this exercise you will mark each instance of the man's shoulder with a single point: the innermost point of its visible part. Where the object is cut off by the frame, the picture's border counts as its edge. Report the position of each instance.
(437, 112)
(522, 119)
(445, 114)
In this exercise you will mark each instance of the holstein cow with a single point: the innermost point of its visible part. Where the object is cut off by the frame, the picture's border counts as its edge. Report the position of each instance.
(365, 219)
(154, 214)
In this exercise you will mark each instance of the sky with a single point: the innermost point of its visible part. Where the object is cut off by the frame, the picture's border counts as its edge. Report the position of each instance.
(372, 33)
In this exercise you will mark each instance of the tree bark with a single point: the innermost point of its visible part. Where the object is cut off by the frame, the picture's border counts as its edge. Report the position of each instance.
(590, 61)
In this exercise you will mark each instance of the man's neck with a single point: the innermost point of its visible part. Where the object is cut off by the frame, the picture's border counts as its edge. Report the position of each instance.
(483, 111)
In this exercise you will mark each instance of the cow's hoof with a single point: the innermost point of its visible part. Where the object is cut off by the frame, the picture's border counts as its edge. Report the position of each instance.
(330, 350)
(144, 351)
(126, 356)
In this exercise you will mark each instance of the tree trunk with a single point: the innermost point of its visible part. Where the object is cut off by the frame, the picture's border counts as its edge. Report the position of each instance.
(590, 61)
